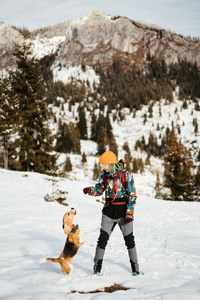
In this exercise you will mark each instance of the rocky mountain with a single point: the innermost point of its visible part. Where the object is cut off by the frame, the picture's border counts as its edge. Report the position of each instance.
(99, 38)
(8, 37)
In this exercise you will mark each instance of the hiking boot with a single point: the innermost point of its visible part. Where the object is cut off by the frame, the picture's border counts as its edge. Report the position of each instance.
(134, 268)
(97, 267)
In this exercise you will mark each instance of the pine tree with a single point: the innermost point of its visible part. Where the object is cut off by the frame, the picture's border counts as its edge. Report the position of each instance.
(145, 119)
(93, 127)
(9, 124)
(113, 146)
(196, 186)
(101, 123)
(101, 140)
(150, 110)
(82, 124)
(64, 139)
(127, 149)
(6, 111)
(177, 173)
(185, 105)
(68, 139)
(96, 171)
(157, 187)
(68, 165)
(6, 121)
(32, 146)
(109, 133)
(148, 159)
(75, 134)
(141, 165)
(84, 158)
(135, 165)
(195, 123)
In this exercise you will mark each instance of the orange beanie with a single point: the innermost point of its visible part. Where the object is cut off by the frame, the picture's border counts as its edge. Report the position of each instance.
(108, 157)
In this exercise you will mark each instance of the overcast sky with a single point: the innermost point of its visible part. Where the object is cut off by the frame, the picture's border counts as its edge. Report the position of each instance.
(182, 16)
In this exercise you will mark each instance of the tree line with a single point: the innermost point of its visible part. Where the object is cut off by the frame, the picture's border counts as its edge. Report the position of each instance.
(28, 93)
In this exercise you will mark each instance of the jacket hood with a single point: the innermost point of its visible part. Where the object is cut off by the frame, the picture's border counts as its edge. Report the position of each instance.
(120, 165)
(116, 168)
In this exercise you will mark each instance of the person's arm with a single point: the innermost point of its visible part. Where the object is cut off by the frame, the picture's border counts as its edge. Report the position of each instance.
(98, 189)
(131, 195)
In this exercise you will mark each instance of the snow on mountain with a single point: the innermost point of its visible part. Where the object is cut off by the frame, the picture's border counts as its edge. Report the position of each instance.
(46, 46)
(132, 127)
(167, 236)
(66, 74)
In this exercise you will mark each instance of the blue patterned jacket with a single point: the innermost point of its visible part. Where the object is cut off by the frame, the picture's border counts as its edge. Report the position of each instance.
(113, 186)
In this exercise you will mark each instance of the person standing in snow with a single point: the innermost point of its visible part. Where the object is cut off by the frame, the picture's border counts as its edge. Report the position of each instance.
(120, 194)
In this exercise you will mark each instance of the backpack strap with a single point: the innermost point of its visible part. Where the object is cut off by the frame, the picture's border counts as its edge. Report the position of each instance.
(123, 178)
(105, 180)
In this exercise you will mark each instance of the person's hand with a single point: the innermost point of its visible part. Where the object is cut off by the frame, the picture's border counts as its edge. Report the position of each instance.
(129, 215)
(86, 190)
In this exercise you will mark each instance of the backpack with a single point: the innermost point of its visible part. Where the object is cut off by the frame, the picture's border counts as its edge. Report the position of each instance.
(122, 177)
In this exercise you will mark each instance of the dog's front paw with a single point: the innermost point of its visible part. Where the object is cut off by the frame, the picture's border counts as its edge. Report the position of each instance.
(67, 229)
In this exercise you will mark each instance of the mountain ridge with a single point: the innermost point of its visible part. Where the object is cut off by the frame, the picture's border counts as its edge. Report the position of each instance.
(98, 38)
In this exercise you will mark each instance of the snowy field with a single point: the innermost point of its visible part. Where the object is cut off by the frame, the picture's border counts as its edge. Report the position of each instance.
(167, 233)
(167, 236)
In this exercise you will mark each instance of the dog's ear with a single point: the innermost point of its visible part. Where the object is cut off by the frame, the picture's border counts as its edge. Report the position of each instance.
(63, 224)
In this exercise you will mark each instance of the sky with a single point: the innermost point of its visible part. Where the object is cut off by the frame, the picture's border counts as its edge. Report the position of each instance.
(181, 16)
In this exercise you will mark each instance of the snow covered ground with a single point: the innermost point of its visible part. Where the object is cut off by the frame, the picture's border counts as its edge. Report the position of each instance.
(65, 74)
(167, 236)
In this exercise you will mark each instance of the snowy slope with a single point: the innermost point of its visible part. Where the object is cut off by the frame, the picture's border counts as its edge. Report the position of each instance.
(167, 233)
(46, 46)
(65, 74)
(167, 237)
(132, 128)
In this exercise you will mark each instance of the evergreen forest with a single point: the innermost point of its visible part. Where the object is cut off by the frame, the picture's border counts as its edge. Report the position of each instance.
(29, 94)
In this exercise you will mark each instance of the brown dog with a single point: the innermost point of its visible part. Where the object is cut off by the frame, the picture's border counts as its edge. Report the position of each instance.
(72, 243)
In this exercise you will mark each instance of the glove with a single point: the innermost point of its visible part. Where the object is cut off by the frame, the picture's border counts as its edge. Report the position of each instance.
(130, 211)
(129, 215)
(86, 190)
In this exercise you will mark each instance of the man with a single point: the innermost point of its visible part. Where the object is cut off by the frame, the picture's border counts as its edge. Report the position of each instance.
(120, 193)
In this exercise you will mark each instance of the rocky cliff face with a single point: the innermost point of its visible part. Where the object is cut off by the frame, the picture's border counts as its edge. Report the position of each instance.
(8, 38)
(100, 38)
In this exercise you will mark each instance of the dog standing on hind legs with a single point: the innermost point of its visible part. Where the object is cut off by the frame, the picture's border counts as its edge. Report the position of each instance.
(72, 243)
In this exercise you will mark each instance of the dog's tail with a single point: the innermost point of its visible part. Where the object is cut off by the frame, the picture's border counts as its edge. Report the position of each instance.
(49, 259)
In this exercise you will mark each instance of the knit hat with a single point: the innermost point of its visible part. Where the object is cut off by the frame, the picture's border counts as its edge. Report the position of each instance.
(108, 157)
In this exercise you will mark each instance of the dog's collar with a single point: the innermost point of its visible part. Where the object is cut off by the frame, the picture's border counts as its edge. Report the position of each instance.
(74, 229)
